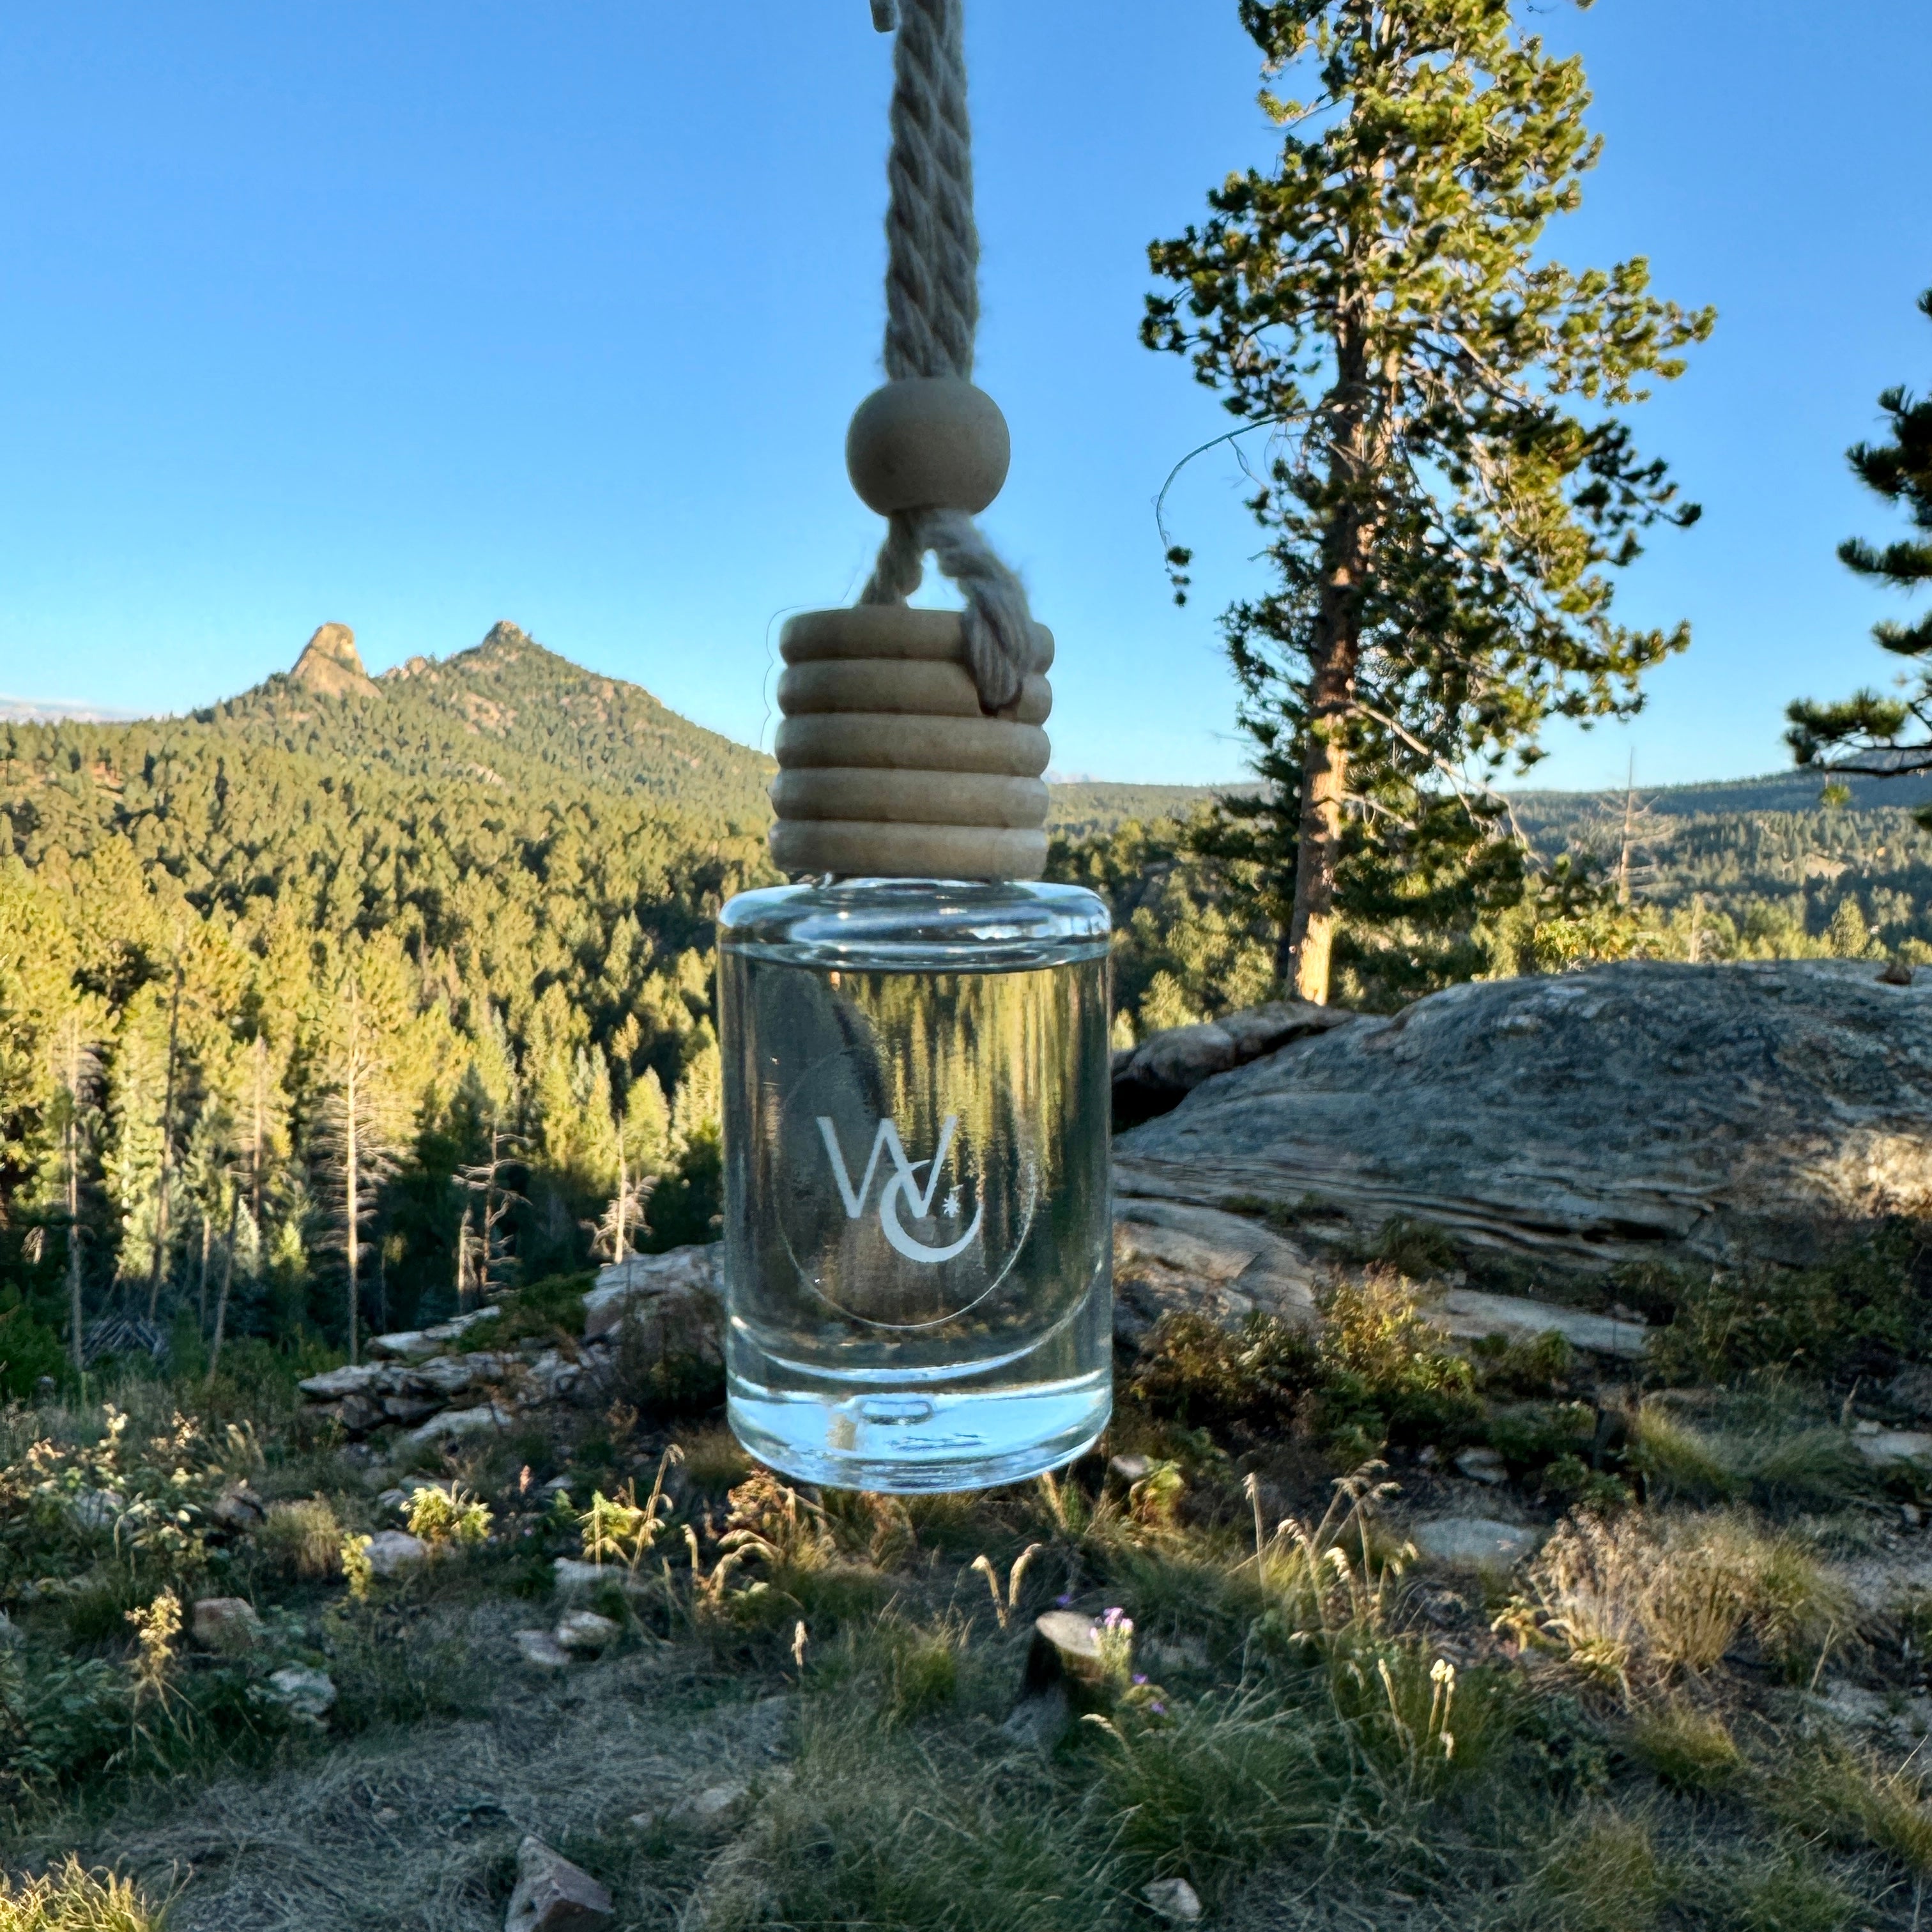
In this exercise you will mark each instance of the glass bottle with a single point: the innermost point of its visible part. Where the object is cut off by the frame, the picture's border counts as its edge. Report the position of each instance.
(917, 1227)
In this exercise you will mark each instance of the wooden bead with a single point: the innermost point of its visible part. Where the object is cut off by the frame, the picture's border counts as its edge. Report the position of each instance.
(928, 442)
(910, 798)
(903, 742)
(881, 684)
(859, 850)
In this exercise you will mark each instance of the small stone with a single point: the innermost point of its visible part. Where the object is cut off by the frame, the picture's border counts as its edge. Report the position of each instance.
(386, 1814)
(308, 1692)
(1473, 1541)
(96, 1509)
(360, 1414)
(1128, 1469)
(712, 1809)
(226, 1623)
(460, 1422)
(586, 1631)
(575, 1578)
(391, 1552)
(1173, 1898)
(540, 1651)
(1895, 972)
(553, 1895)
(1911, 1390)
(1482, 1465)
(1911, 1515)
(1886, 1447)
(237, 1507)
(357, 1379)
(392, 1499)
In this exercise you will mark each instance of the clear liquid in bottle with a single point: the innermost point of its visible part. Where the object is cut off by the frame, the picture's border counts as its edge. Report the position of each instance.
(918, 1238)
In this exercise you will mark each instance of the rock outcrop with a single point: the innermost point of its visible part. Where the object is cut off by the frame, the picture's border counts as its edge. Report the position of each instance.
(331, 665)
(1156, 1076)
(1642, 1110)
(424, 1380)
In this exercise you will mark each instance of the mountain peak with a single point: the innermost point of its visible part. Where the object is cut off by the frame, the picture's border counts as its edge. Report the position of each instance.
(331, 665)
(504, 635)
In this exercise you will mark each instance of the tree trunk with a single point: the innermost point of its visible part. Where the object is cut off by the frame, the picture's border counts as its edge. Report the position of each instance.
(73, 1138)
(201, 1281)
(167, 1150)
(1334, 655)
(1324, 776)
(227, 1281)
(352, 1180)
(255, 1156)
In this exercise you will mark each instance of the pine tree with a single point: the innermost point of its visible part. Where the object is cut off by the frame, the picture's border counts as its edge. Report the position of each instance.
(169, 1089)
(1868, 732)
(1440, 516)
(355, 1140)
(77, 1067)
(484, 1261)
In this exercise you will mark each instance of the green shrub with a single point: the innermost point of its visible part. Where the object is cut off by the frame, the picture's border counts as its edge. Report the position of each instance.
(29, 1348)
(1386, 1375)
(1195, 1371)
(551, 1310)
(1864, 1303)
(1414, 1247)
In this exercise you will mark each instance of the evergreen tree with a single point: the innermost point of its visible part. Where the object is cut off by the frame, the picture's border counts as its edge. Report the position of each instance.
(356, 1140)
(1448, 480)
(1868, 732)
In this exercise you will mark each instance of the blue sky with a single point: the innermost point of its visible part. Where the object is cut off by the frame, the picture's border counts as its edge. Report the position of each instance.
(415, 316)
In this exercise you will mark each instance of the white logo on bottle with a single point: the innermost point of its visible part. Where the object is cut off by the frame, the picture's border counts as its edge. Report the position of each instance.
(902, 1185)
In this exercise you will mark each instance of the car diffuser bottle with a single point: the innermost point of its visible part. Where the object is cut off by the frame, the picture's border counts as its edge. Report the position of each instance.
(917, 1239)
(917, 1229)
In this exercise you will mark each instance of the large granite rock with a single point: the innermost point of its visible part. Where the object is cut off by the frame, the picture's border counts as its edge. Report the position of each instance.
(1154, 1077)
(1646, 1110)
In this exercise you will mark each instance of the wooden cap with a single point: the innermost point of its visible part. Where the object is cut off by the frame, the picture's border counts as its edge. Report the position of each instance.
(887, 766)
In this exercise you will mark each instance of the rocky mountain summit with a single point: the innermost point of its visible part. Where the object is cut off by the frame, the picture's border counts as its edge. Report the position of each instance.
(330, 664)
(1642, 1110)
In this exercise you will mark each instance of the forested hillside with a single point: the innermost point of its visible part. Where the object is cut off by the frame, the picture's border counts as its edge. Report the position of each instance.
(461, 923)
(455, 922)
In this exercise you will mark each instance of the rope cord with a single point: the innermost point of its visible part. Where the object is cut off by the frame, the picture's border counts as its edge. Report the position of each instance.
(932, 313)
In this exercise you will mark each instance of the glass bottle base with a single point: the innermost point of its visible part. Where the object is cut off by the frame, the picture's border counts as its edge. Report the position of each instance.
(909, 1441)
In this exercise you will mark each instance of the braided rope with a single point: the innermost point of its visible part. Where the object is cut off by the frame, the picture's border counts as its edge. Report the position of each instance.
(932, 314)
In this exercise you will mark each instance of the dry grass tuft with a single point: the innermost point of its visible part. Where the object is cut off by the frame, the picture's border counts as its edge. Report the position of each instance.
(303, 1539)
(1669, 1596)
(1688, 1749)
(71, 1899)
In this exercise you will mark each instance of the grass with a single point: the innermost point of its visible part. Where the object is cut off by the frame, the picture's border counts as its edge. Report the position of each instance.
(1774, 1461)
(303, 1539)
(1688, 1749)
(1305, 1726)
(70, 1899)
(1636, 1600)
